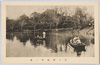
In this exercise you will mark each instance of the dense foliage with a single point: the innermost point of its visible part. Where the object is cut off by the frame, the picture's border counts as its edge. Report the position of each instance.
(50, 19)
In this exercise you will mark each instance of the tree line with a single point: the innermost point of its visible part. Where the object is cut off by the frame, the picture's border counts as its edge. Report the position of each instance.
(50, 19)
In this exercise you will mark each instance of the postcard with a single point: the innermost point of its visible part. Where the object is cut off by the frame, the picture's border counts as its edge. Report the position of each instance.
(50, 32)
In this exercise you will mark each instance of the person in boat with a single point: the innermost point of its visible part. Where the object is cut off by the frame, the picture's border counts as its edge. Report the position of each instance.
(76, 40)
(40, 37)
(37, 36)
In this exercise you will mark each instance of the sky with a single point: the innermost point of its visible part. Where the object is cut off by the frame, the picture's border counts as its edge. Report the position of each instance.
(13, 12)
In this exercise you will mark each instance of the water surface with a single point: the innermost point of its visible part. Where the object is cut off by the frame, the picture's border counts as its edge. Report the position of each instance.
(56, 44)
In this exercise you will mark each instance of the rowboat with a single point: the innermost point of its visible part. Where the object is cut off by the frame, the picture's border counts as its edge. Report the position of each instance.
(40, 38)
(77, 45)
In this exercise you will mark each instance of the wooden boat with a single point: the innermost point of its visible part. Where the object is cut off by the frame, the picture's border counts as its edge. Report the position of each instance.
(39, 38)
(77, 45)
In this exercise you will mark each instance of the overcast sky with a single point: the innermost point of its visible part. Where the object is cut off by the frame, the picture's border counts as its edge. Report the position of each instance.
(13, 12)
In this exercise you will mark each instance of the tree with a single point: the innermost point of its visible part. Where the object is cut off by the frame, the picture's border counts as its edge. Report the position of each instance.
(22, 20)
(80, 17)
(10, 24)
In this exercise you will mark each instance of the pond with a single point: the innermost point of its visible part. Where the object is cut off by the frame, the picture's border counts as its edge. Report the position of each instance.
(55, 44)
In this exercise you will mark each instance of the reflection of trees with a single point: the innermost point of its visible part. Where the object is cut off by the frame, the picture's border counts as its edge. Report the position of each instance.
(23, 37)
(56, 44)
(9, 36)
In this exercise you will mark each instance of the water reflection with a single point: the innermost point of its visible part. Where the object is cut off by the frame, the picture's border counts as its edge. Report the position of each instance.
(55, 44)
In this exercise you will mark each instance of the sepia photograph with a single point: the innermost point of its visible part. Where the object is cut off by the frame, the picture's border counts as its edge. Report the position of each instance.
(33, 31)
(51, 31)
